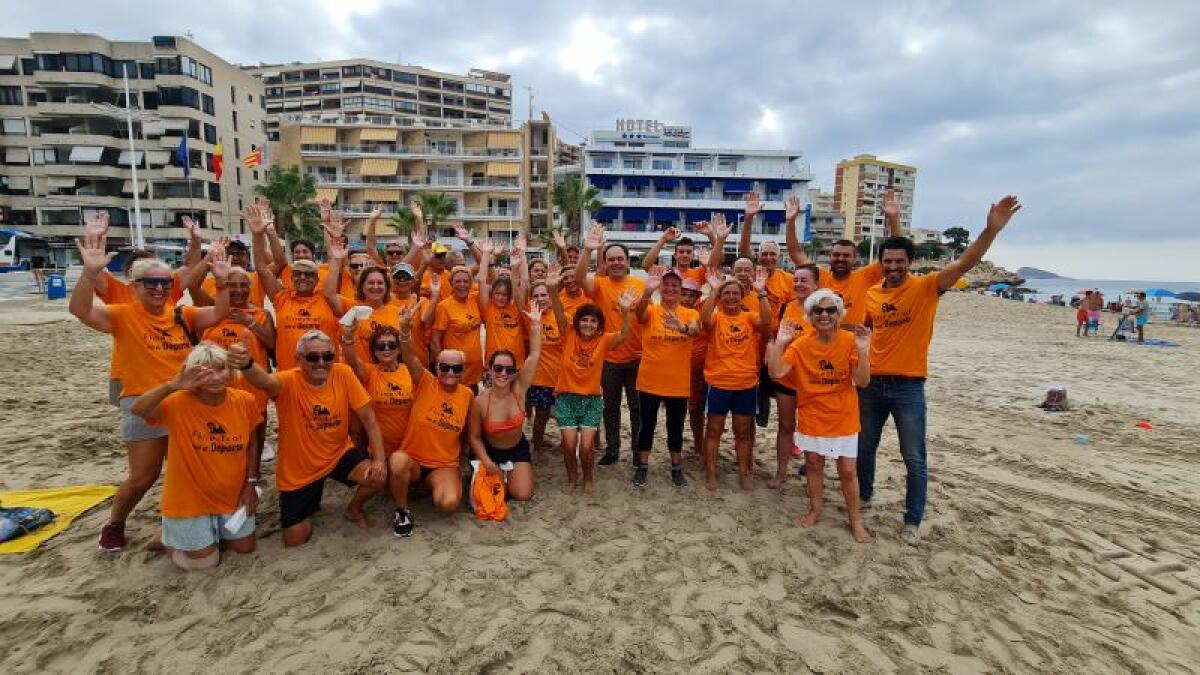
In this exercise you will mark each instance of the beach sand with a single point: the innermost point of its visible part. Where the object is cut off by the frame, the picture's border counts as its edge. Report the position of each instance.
(1039, 553)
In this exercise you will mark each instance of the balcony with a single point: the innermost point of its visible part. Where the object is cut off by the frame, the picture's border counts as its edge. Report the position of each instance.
(413, 123)
(411, 152)
(353, 181)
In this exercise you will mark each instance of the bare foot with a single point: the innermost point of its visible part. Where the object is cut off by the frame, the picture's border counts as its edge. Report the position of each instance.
(572, 483)
(359, 518)
(776, 482)
(156, 544)
(588, 487)
(809, 519)
(746, 483)
(860, 533)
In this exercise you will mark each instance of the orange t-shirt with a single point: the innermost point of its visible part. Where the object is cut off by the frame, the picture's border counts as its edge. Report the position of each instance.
(733, 354)
(781, 287)
(206, 452)
(120, 292)
(345, 284)
(314, 424)
(605, 295)
(295, 315)
(387, 314)
(460, 322)
(147, 349)
(505, 329)
(392, 401)
(794, 311)
(853, 289)
(571, 304)
(901, 321)
(420, 332)
(582, 363)
(821, 374)
(666, 368)
(435, 427)
(228, 332)
(257, 294)
(700, 348)
(697, 274)
(427, 283)
(550, 360)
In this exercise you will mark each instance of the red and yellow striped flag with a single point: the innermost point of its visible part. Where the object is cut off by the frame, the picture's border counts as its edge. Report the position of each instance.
(252, 159)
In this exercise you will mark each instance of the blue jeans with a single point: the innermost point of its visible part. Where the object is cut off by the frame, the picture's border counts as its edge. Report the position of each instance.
(903, 399)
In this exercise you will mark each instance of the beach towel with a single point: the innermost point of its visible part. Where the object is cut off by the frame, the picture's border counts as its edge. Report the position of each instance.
(67, 504)
(1153, 342)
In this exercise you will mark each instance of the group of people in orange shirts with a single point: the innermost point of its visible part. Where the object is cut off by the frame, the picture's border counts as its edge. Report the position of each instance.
(389, 369)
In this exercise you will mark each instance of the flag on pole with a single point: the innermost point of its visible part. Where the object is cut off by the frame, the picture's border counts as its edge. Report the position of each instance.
(218, 161)
(252, 158)
(181, 157)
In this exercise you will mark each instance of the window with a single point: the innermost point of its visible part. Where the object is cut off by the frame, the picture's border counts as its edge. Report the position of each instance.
(11, 96)
(237, 173)
(167, 65)
(214, 192)
(235, 122)
(150, 100)
(207, 106)
(237, 147)
(256, 170)
(447, 177)
(147, 70)
(29, 66)
(233, 94)
(406, 78)
(727, 165)
(351, 71)
(165, 41)
(664, 164)
(691, 165)
(632, 164)
(181, 96)
(45, 156)
(331, 87)
(193, 129)
(210, 134)
(602, 162)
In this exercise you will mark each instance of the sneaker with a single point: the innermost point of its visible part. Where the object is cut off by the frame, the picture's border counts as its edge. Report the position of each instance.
(402, 523)
(803, 470)
(112, 537)
(610, 458)
(677, 477)
(639, 475)
(911, 534)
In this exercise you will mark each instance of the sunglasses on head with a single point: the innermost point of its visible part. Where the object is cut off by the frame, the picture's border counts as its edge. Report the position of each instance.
(153, 282)
(386, 345)
(817, 311)
(455, 368)
(507, 370)
(314, 357)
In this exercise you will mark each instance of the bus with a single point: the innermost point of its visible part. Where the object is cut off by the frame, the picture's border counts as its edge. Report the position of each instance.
(20, 250)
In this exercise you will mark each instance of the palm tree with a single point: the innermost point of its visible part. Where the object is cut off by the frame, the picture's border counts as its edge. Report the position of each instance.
(572, 197)
(291, 193)
(815, 247)
(435, 207)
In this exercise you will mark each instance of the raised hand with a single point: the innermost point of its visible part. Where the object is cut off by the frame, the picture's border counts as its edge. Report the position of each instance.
(559, 240)
(191, 378)
(463, 234)
(1001, 212)
(239, 352)
(594, 238)
(498, 249)
(702, 255)
(221, 268)
(254, 219)
(654, 281)
(337, 249)
(670, 234)
(376, 213)
(487, 247)
(92, 255)
(792, 209)
(702, 227)
(97, 225)
(891, 205)
(334, 225)
(518, 249)
(716, 281)
(418, 214)
(435, 285)
(406, 316)
(862, 338)
(553, 277)
(753, 205)
(535, 313)
(417, 239)
(326, 211)
(760, 279)
(787, 332)
(719, 228)
(628, 300)
(671, 322)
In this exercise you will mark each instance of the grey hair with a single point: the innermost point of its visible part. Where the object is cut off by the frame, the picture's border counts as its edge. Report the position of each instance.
(824, 294)
(207, 354)
(141, 267)
(770, 243)
(310, 336)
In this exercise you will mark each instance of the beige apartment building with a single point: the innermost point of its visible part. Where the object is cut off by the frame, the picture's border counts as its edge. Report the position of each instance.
(858, 190)
(382, 90)
(65, 147)
(497, 176)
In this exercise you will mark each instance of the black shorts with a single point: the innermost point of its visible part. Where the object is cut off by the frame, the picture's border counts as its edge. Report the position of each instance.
(296, 506)
(766, 384)
(517, 453)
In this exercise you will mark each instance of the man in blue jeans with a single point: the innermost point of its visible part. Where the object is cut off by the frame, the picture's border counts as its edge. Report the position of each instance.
(900, 312)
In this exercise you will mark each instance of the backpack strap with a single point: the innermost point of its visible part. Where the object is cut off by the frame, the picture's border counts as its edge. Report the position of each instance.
(183, 324)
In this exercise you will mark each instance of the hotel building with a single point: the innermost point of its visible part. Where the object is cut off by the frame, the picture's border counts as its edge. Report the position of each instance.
(65, 150)
(859, 185)
(651, 178)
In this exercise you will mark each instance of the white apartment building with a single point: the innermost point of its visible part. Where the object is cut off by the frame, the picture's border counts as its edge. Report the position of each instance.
(651, 178)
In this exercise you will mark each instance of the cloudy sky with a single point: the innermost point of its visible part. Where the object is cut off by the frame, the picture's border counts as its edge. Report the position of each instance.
(1089, 112)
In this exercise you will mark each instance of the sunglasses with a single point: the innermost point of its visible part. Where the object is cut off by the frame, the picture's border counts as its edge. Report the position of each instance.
(386, 346)
(439, 255)
(152, 282)
(507, 370)
(296, 274)
(817, 311)
(313, 357)
(357, 266)
(455, 368)
(395, 252)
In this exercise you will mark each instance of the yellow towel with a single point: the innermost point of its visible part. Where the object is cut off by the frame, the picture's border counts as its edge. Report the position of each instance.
(66, 503)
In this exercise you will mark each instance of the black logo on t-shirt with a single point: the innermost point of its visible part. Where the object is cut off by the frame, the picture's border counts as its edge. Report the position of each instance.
(889, 307)
(214, 428)
(825, 365)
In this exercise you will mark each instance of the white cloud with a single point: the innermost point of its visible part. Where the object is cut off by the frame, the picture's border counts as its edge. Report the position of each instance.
(591, 51)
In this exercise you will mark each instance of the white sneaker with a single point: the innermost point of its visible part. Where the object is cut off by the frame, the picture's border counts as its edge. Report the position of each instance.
(911, 535)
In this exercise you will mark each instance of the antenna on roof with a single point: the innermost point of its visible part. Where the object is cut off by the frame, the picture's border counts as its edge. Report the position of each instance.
(189, 36)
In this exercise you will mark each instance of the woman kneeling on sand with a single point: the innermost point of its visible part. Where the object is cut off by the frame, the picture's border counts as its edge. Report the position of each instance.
(824, 367)
(212, 459)
(496, 427)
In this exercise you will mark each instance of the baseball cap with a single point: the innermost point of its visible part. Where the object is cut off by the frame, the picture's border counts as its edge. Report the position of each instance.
(239, 244)
(305, 265)
(673, 272)
(404, 268)
(691, 285)
(439, 247)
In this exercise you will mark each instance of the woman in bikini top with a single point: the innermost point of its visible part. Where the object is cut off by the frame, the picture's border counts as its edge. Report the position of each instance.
(496, 424)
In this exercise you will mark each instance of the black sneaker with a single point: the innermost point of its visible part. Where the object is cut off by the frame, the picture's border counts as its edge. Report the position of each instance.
(803, 470)
(677, 477)
(402, 523)
(639, 475)
(610, 458)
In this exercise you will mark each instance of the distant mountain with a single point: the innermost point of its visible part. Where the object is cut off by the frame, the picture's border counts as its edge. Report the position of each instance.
(1035, 273)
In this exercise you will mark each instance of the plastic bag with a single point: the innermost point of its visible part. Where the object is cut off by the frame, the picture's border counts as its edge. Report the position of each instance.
(487, 495)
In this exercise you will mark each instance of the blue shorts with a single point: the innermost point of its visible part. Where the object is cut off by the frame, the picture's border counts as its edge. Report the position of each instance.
(539, 397)
(1141, 321)
(194, 534)
(723, 402)
(134, 428)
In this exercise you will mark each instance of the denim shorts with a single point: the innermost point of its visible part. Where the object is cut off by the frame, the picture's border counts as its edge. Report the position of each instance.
(134, 428)
(724, 401)
(194, 534)
(575, 411)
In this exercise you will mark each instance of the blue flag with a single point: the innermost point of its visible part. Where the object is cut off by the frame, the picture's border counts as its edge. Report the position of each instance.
(181, 156)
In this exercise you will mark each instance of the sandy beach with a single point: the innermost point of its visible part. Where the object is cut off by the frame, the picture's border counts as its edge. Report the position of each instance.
(1040, 554)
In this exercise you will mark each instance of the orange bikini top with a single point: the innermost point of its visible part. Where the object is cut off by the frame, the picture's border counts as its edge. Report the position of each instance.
(503, 426)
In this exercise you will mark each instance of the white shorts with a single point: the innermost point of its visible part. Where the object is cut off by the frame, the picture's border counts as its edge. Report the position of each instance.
(829, 446)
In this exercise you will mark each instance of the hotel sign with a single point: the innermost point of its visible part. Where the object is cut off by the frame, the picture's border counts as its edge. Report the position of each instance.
(652, 129)
(647, 126)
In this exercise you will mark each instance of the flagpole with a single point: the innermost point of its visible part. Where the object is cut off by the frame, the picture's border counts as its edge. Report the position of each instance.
(139, 240)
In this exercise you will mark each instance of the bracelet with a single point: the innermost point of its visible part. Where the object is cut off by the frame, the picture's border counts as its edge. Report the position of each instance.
(249, 364)
(762, 295)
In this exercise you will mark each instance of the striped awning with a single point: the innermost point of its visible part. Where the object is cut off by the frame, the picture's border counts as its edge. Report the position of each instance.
(330, 194)
(321, 135)
(503, 169)
(127, 187)
(503, 139)
(381, 195)
(126, 155)
(86, 153)
(379, 167)
(379, 134)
